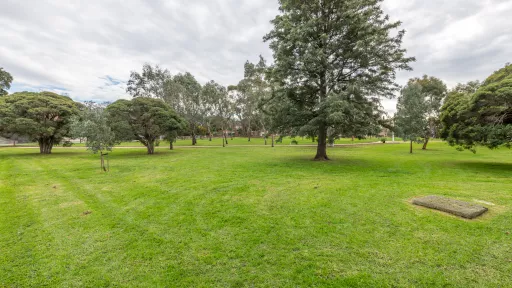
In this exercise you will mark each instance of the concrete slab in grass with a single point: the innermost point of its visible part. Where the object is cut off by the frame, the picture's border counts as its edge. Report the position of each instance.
(452, 206)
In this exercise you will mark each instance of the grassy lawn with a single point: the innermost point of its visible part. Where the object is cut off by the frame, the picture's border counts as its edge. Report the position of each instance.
(253, 216)
(237, 141)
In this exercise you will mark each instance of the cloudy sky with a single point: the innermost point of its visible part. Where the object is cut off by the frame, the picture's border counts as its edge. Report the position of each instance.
(88, 48)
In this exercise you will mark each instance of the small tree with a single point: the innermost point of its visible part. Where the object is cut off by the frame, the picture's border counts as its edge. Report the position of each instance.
(92, 124)
(144, 119)
(44, 117)
(410, 117)
(434, 91)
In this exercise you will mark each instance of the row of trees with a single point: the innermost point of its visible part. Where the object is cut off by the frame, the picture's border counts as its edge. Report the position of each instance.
(211, 106)
(48, 118)
(333, 63)
(468, 115)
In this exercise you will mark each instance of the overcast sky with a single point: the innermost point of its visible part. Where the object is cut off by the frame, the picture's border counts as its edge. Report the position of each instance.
(88, 48)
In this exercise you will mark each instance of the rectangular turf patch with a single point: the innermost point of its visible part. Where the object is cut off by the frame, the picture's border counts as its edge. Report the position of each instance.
(452, 206)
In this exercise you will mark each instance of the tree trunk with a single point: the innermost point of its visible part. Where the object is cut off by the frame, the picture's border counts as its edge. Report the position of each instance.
(171, 146)
(411, 146)
(272, 140)
(224, 138)
(103, 162)
(425, 143)
(249, 130)
(265, 137)
(45, 145)
(194, 140)
(151, 147)
(321, 152)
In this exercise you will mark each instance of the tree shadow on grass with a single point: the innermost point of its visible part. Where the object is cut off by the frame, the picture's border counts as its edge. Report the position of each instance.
(500, 168)
(36, 154)
(301, 163)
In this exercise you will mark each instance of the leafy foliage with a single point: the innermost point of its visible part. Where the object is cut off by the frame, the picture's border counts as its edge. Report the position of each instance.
(332, 62)
(433, 91)
(145, 119)
(248, 94)
(149, 83)
(410, 119)
(482, 118)
(5, 81)
(217, 105)
(183, 94)
(44, 117)
(93, 125)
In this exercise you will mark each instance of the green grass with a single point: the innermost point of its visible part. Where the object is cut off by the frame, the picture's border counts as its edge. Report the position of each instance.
(253, 216)
(237, 141)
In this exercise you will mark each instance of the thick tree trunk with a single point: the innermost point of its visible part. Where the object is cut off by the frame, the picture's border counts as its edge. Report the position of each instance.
(411, 147)
(171, 146)
(194, 139)
(272, 140)
(265, 137)
(151, 147)
(45, 145)
(425, 143)
(321, 152)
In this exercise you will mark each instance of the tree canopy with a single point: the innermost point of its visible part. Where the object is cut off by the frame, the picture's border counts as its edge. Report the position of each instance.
(5, 82)
(483, 117)
(144, 119)
(149, 83)
(411, 116)
(333, 60)
(433, 90)
(44, 117)
(93, 125)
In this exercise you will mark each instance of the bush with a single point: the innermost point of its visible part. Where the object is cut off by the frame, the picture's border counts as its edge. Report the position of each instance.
(67, 144)
(383, 140)
(294, 142)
